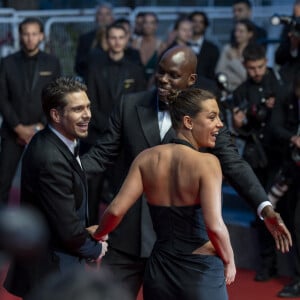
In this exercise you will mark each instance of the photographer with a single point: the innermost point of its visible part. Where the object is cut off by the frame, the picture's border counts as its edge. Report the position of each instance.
(287, 54)
(253, 105)
(286, 126)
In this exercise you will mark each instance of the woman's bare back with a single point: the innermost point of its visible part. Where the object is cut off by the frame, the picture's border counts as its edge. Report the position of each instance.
(172, 174)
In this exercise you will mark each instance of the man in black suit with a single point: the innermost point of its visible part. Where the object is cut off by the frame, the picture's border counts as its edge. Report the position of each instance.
(22, 77)
(206, 51)
(111, 74)
(94, 39)
(53, 182)
(140, 121)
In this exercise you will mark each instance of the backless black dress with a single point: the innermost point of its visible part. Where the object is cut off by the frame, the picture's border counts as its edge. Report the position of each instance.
(173, 272)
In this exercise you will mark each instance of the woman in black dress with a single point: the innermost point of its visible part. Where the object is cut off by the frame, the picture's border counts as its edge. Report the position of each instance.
(192, 257)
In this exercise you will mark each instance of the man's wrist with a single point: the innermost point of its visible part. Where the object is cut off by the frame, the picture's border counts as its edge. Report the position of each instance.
(262, 209)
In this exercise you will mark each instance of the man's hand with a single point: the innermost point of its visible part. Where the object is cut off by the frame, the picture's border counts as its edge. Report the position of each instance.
(277, 228)
(25, 133)
(270, 102)
(238, 117)
(91, 230)
(295, 140)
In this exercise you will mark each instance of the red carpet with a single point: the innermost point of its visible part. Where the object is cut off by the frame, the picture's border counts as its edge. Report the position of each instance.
(244, 288)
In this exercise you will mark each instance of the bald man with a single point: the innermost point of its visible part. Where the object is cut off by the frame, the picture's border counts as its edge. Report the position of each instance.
(142, 121)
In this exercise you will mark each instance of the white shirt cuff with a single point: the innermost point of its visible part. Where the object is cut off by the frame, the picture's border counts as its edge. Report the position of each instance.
(261, 206)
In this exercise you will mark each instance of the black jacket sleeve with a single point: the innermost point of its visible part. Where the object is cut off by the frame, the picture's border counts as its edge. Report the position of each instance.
(238, 171)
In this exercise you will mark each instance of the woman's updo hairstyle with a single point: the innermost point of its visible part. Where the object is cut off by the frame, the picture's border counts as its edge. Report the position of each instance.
(186, 103)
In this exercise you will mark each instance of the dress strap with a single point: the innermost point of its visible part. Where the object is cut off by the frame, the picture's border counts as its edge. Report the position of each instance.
(182, 142)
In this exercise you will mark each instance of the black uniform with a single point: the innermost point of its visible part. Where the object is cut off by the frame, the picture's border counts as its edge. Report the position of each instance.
(22, 79)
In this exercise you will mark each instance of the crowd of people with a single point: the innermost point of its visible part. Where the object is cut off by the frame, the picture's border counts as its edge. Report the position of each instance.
(84, 144)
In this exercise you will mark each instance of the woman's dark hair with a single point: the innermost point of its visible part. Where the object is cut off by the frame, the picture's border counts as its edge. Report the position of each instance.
(180, 20)
(54, 94)
(250, 26)
(186, 103)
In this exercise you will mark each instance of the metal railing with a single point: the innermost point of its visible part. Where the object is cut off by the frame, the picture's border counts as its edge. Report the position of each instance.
(63, 27)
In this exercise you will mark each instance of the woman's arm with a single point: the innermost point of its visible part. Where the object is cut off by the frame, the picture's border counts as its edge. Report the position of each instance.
(130, 191)
(210, 197)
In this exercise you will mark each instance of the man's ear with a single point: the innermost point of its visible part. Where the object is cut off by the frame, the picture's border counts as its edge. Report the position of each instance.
(55, 115)
(192, 79)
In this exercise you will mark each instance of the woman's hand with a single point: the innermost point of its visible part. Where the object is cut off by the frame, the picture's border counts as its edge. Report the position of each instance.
(230, 272)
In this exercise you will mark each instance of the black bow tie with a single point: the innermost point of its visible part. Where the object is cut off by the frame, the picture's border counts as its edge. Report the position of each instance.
(162, 106)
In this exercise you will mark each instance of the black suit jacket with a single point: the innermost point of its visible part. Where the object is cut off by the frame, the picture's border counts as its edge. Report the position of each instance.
(107, 82)
(133, 127)
(53, 182)
(207, 59)
(20, 101)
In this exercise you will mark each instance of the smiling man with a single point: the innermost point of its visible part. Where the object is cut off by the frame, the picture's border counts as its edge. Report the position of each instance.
(53, 182)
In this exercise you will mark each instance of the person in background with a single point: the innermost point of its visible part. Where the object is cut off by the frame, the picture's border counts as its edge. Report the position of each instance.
(254, 101)
(287, 55)
(183, 31)
(140, 121)
(112, 75)
(93, 39)
(22, 77)
(183, 191)
(231, 59)
(206, 51)
(130, 52)
(138, 25)
(242, 9)
(149, 45)
(54, 184)
(286, 127)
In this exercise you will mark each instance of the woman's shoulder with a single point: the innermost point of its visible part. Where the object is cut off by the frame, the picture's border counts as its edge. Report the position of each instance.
(208, 160)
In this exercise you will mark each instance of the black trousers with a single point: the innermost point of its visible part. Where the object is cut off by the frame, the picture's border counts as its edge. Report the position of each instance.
(127, 270)
(10, 155)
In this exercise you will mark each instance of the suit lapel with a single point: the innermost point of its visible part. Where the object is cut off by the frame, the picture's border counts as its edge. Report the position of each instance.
(147, 114)
(67, 153)
(169, 136)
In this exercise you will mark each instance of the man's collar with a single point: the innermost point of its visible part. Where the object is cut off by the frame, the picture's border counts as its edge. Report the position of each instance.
(69, 143)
